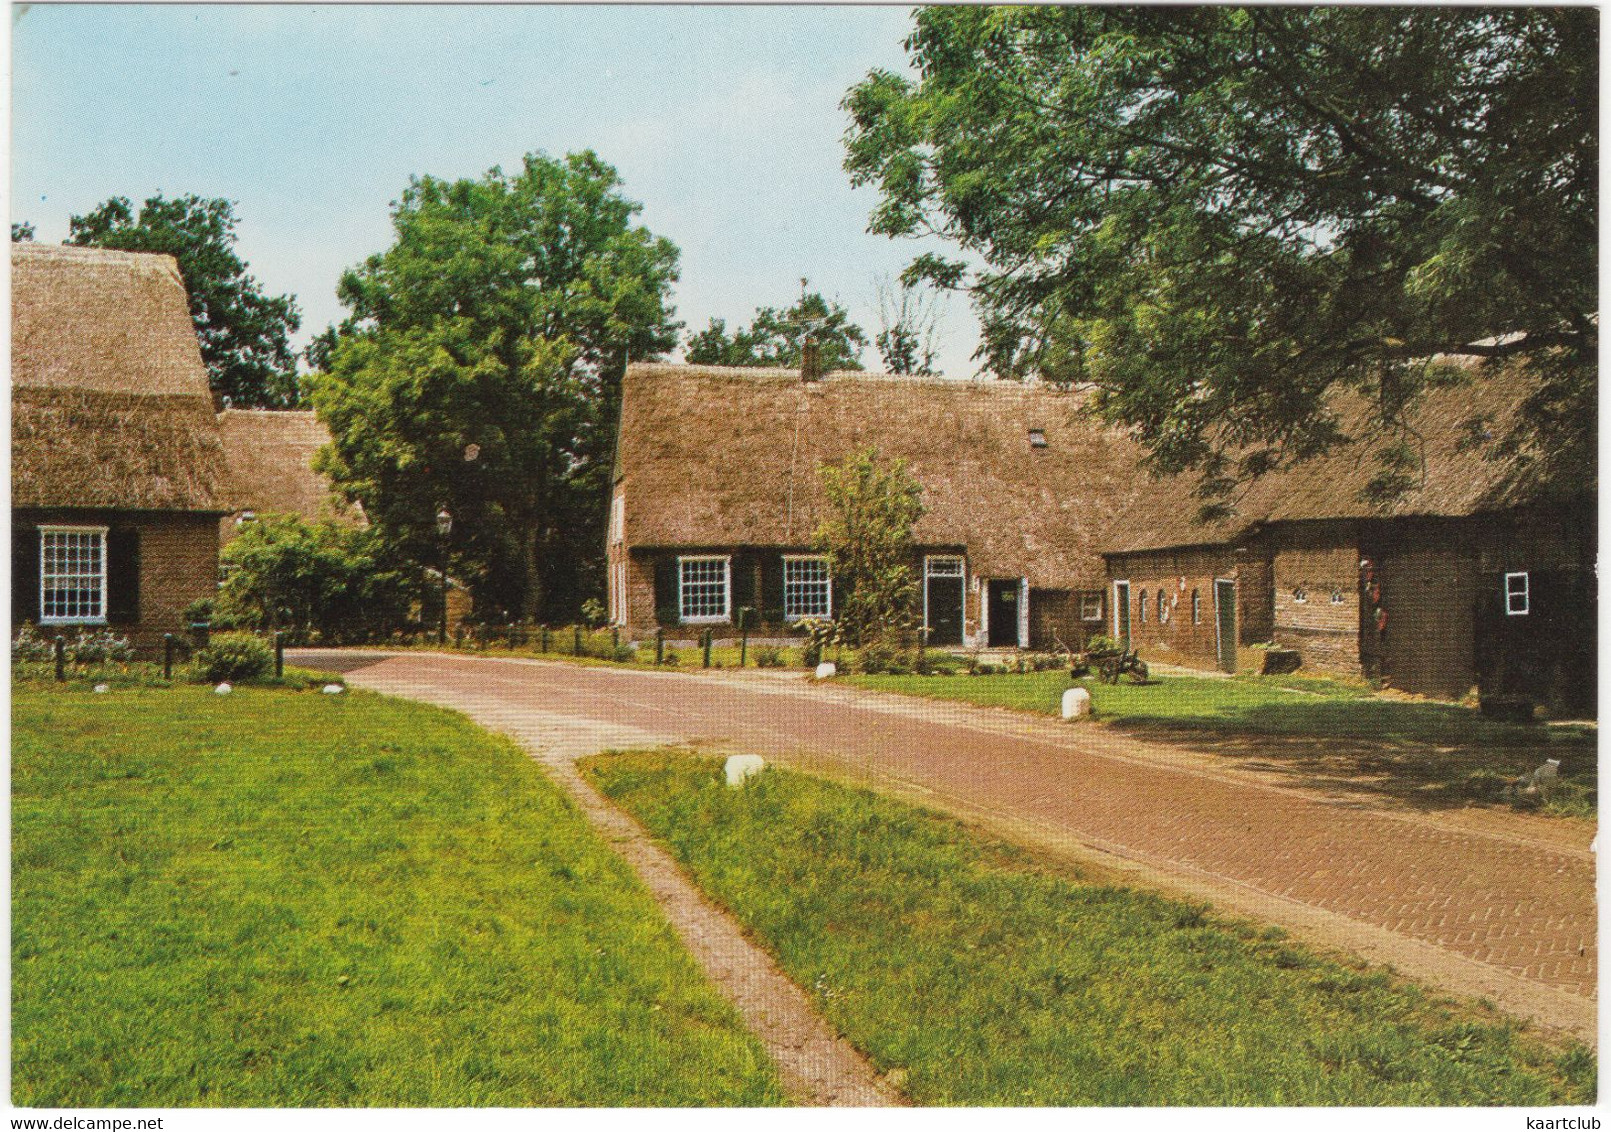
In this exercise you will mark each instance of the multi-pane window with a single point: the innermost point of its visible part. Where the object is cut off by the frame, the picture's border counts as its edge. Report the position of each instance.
(72, 574)
(1090, 607)
(807, 590)
(943, 566)
(1517, 599)
(703, 589)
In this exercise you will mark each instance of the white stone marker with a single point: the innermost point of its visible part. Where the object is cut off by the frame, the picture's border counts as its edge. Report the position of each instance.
(1076, 702)
(223, 689)
(740, 767)
(103, 688)
(826, 669)
(332, 689)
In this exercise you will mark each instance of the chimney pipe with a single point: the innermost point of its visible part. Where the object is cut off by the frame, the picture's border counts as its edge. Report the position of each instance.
(810, 361)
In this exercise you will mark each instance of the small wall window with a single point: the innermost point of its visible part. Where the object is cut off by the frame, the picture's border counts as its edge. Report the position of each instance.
(72, 575)
(704, 589)
(1142, 605)
(618, 518)
(1037, 438)
(1197, 607)
(1163, 608)
(1300, 595)
(1336, 596)
(1091, 607)
(807, 589)
(1517, 598)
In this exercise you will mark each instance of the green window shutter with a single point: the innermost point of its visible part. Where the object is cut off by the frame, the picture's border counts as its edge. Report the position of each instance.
(665, 589)
(772, 589)
(123, 576)
(24, 574)
(743, 583)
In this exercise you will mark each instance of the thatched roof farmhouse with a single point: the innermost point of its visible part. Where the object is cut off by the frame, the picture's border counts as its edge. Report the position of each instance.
(117, 470)
(1042, 527)
(269, 455)
(720, 470)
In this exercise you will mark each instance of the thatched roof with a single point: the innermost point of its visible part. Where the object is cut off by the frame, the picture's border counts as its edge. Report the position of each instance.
(110, 404)
(1458, 478)
(713, 457)
(270, 459)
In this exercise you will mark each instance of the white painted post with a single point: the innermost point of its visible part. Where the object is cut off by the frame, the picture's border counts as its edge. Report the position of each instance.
(740, 767)
(826, 669)
(1076, 702)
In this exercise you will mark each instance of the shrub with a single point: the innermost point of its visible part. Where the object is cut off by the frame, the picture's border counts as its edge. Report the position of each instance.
(821, 636)
(670, 658)
(319, 580)
(768, 656)
(84, 647)
(1045, 662)
(624, 654)
(234, 656)
(593, 613)
(1098, 643)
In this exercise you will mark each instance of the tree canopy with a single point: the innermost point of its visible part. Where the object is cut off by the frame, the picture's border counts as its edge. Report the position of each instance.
(777, 338)
(1224, 216)
(480, 370)
(244, 334)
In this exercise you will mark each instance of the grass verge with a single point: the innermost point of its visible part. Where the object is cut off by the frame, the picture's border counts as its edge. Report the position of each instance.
(281, 898)
(1441, 754)
(978, 978)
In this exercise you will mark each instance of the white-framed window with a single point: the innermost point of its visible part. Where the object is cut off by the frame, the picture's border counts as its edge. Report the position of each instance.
(72, 575)
(807, 589)
(1300, 595)
(1518, 601)
(1141, 605)
(1197, 607)
(704, 589)
(1336, 595)
(943, 566)
(1091, 607)
(1163, 609)
(618, 518)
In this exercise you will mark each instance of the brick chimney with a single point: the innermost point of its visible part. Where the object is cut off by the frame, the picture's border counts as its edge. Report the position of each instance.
(810, 361)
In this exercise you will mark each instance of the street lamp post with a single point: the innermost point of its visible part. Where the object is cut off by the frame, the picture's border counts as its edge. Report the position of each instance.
(444, 527)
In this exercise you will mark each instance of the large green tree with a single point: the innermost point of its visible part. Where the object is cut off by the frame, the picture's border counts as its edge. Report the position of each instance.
(777, 338)
(245, 335)
(1225, 216)
(480, 369)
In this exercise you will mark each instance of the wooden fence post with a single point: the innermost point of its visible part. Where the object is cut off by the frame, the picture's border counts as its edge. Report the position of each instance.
(660, 646)
(61, 658)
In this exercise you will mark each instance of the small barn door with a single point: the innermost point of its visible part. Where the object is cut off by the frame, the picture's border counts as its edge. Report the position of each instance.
(1121, 613)
(943, 578)
(1225, 623)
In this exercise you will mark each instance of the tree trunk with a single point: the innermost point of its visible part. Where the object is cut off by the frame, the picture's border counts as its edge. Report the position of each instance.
(531, 600)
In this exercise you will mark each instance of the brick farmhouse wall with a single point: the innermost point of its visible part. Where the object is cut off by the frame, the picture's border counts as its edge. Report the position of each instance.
(1176, 574)
(178, 564)
(1315, 584)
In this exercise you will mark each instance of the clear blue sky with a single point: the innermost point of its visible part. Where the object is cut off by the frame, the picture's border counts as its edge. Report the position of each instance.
(723, 121)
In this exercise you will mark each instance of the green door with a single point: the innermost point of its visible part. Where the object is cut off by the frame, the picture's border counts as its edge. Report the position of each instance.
(1225, 623)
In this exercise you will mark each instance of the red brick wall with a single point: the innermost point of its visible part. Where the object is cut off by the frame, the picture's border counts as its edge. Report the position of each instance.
(1315, 581)
(178, 564)
(1179, 640)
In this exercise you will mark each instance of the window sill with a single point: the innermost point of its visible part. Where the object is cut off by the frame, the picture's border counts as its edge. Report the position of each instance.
(723, 620)
(44, 621)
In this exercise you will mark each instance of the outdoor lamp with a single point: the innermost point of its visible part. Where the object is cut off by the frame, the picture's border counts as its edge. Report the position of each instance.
(444, 523)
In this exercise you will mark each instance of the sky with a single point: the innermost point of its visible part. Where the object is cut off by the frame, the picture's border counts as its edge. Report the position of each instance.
(724, 122)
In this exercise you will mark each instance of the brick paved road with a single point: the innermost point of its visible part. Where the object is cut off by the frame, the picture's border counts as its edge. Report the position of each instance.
(1504, 912)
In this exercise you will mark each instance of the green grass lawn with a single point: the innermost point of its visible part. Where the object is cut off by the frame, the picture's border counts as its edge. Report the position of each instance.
(1434, 753)
(281, 898)
(957, 964)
